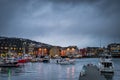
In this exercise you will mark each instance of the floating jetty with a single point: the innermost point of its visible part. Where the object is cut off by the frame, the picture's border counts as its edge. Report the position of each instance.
(91, 72)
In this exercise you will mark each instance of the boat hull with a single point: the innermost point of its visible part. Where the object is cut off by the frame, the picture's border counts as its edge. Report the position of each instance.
(46, 61)
(9, 65)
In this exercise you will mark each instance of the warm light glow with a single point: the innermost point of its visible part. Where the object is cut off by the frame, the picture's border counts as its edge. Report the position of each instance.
(45, 50)
(19, 54)
(6, 47)
(62, 52)
(40, 49)
(73, 49)
(14, 48)
(20, 48)
(68, 49)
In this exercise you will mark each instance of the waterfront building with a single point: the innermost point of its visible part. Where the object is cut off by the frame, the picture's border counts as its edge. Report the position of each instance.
(20, 46)
(72, 51)
(83, 52)
(63, 52)
(92, 51)
(43, 51)
(31, 47)
(54, 51)
(12, 45)
(40, 51)
(114, 49)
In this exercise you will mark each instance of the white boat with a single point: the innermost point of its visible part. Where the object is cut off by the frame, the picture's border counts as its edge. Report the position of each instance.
(66, 61)
(106, 57)
(106, 66)
(9, 62)
(46, 59)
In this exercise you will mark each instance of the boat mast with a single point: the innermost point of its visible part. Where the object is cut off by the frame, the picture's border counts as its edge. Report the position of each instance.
(24, 43)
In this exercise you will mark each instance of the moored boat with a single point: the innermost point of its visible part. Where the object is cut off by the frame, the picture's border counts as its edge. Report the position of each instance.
(66, 61)
(9, 63)
(106, 57)
(106, 67)
(106, 64)
(46, 59)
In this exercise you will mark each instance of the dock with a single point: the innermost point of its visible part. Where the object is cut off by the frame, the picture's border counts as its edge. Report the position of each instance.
(91, 73)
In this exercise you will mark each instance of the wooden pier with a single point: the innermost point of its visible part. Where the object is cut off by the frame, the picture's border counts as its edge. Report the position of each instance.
(91, 73)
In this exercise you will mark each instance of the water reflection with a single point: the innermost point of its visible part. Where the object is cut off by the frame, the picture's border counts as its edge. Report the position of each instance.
(108, 76)
(13, 71)
(51, 71)
(71, 72)
(9, 72)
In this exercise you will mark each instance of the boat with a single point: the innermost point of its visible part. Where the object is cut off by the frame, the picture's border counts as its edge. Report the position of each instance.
(106, 56)
(46, 59)
(22, 61)
(9, 63)
(66, 61)
(106, 66)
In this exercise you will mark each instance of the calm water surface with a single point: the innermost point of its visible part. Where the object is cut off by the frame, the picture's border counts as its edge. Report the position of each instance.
(52, 71)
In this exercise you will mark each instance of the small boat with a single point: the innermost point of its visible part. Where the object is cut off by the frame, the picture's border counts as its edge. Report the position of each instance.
(9, 63)
(46, 59)
(22, 61)
(66, 61)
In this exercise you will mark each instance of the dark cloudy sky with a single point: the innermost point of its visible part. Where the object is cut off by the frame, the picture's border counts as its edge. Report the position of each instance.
(62, 22)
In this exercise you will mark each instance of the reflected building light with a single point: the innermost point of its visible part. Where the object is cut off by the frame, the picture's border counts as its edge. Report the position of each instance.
(68, 72)
(73, 72)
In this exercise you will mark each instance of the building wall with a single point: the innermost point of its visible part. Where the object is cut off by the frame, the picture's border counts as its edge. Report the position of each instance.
(54, 51)
(114, 49)
(13, 45)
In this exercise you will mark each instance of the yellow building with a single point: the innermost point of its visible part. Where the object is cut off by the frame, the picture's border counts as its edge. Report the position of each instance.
(54, 51)
(71, 51)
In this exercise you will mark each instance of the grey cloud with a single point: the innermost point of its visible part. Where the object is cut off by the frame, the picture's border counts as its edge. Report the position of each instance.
(88, 19)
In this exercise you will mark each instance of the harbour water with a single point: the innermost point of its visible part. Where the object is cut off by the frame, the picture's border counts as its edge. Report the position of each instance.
(52, 71)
